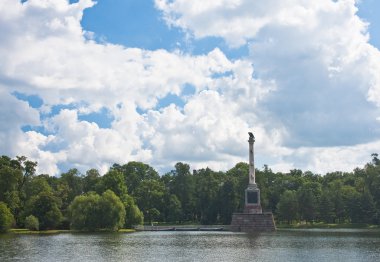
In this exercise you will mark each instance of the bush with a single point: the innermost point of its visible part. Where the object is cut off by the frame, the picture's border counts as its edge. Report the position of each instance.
(6, 217)
(93, 212)
(31, 223)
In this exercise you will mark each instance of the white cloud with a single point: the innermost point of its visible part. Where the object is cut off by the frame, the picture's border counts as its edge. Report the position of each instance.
(15, 114)
(326, 88)
(239, 21)
(57, 63)
(346, 158)
(209, 131)
(314, 72)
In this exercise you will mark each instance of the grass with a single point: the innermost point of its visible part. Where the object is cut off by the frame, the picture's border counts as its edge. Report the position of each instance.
(60, 231)
(45, 232)
(184, 223)
(126, 230)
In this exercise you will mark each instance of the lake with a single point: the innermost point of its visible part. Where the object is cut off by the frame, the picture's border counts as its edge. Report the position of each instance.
(282, 245)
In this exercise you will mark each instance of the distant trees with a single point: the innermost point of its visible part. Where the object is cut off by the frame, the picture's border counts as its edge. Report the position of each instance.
(149, 197)
(182, 185)
(46, 208)
(207, 192)
(11, 179)
(131, 193)
(6, 217)
(288, 206)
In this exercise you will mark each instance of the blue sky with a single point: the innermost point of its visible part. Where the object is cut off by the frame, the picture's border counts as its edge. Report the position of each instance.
(139, 24)
(87, 84)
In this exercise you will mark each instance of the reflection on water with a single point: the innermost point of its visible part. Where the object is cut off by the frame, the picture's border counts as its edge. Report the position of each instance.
(283, 245)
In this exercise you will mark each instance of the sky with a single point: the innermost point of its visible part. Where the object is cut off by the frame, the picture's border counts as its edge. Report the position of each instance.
(86, 84)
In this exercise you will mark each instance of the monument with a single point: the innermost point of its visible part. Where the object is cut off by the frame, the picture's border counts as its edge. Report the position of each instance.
(252, 193)
(252, 219)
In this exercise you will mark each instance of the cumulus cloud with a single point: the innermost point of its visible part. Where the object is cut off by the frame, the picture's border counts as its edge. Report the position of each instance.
(14, 115)
(326, 74)
(48, 55)
(311, 80)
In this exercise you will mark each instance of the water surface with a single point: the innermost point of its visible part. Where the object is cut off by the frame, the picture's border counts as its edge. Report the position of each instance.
(283, 245)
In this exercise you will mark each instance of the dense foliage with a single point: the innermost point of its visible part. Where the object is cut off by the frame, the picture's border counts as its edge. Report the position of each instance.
(32, 223)
(93, 212)
(127, 194)
(6, 217)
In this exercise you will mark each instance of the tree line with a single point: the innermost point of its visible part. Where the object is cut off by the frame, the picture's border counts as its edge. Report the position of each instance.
(133, 193)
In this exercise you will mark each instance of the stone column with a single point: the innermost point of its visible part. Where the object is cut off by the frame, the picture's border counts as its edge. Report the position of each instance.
(252, 193)
(251, 141)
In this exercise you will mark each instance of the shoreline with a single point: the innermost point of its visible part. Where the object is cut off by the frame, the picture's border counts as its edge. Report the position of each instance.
(278, 226)
(327, 226)
(22, 231)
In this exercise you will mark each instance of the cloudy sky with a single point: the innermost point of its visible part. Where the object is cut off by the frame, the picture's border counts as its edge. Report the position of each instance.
(87, 84)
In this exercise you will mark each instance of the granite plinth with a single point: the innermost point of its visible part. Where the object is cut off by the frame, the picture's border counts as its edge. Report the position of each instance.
(250, 223)
(253, 209)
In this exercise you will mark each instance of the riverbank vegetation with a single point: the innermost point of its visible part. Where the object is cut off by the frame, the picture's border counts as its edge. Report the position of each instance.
(131, 193)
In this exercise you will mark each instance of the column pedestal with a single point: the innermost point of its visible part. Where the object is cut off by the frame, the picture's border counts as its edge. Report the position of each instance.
(252, 200)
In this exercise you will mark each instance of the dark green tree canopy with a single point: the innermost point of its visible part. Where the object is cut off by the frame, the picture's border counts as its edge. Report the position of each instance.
(6, 217)
(183, 195)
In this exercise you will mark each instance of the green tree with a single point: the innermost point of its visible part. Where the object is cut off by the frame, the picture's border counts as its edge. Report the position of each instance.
(112, 211)
(10, 181)
(351, 199)
(265, 179)
(84, 212)
(36, 185)
(326, 208)
(183, 186)
(173, 209)
(32, 223)
(134, 173)
(375, 159)
(45, 207)
(308, 205)
(336, 196)
(91, 180)
(308, 198)
(133, 214)
(207, 187)
(27, 167)
(373, 177)
(367, 208)
(229, 200)
(69, 186)
(240, 172)
(113, 180)
(93, 212)
(149, 197)
(287, 207)
(6, 217)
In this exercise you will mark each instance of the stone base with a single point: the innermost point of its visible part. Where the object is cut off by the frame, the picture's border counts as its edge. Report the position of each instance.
(250, 223)
(253, 209)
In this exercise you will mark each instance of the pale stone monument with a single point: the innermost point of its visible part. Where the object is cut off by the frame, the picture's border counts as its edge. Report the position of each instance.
(252, 219)
(252, 193)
